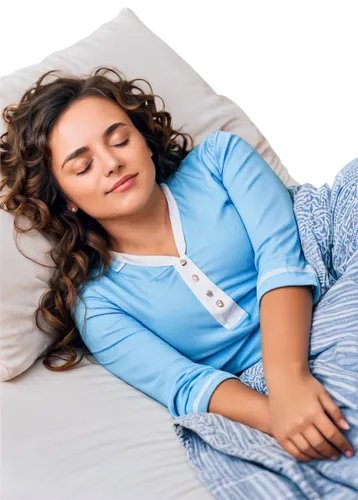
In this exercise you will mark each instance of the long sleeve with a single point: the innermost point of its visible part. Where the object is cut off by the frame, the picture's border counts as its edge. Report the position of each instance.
(266, 209)
(133, 353)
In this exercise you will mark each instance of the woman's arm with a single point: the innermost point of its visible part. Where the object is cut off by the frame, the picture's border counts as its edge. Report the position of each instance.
(285, 326)
(235, 400)
(285, 323)
(299, 405)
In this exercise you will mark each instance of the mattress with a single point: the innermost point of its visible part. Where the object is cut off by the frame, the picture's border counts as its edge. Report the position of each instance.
(83, 434)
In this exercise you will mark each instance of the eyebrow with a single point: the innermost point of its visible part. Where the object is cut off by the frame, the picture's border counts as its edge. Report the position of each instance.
(84, 149)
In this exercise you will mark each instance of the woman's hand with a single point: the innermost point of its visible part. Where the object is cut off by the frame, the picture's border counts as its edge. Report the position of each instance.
(298, 408)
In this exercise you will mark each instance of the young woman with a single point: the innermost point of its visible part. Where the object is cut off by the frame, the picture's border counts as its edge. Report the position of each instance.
(187, 262)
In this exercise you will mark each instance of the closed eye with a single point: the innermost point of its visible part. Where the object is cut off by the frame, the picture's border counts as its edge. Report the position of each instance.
(90, 163)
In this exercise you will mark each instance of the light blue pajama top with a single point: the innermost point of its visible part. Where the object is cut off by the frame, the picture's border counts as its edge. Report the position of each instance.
(176, 327)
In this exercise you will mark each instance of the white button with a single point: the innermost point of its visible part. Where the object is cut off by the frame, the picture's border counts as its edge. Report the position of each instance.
(224, 309)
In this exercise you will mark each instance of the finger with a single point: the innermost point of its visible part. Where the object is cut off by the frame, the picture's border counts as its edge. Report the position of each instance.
(304, 445)
(332, 433)
(320, 443)
(292, 449)
(333, 410)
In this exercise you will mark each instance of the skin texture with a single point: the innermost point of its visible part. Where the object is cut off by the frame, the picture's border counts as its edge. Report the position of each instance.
(302, 415)
(137, 219)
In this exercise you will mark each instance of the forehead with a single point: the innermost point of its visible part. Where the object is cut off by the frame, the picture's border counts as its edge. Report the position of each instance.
(89, 112)
(84, 121)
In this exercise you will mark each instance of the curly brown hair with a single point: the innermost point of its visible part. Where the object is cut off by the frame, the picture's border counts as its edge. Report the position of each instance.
(80, 242)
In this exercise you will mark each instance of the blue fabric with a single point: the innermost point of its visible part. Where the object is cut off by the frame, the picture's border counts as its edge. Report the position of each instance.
(152, 326)
(236, 461)
(144, 324)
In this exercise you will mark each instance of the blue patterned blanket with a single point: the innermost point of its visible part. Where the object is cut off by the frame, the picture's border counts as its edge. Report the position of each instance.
(236, 461)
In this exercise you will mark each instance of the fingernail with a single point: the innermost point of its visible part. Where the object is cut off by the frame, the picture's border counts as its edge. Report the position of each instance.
(349, 453)
(334, 457)
(344, 424)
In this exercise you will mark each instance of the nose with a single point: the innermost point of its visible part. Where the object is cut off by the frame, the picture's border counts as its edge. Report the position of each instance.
(109, 162)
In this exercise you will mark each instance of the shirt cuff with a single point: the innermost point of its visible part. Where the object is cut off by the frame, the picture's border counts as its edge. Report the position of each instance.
(289, 276)
(201, 401)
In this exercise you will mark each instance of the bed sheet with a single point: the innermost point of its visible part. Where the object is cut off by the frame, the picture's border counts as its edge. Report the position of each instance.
(83, 434)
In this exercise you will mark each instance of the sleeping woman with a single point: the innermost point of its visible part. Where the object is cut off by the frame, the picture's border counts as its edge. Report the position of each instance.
(177, 268)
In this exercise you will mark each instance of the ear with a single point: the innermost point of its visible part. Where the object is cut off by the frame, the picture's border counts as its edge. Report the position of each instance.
(71, 208)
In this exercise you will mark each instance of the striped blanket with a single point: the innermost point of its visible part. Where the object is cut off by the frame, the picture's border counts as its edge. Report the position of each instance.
(236, 461)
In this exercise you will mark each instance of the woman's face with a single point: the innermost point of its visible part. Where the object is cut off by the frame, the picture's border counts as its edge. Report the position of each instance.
(83, 125)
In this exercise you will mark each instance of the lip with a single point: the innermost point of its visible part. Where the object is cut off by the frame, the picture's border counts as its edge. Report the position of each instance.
(121, 181)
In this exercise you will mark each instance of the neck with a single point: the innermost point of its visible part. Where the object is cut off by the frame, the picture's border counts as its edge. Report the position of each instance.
(144, 230)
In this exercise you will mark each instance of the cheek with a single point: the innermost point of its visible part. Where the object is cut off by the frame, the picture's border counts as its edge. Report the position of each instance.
(83, 189)
(139, 154)
(141, 149)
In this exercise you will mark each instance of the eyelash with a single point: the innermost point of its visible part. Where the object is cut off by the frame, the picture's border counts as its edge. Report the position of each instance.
(115, 145)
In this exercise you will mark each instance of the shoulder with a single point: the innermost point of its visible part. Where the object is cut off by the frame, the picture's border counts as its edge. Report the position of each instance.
(215, 141)
(208, 152)
(210, 141)
(218, 142)
(218, 134)
(214, 150)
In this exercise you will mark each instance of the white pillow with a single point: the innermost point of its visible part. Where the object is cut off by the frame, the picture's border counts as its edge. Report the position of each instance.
(192, 103)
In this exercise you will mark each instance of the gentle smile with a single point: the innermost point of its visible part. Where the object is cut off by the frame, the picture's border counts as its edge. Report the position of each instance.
(121, 186)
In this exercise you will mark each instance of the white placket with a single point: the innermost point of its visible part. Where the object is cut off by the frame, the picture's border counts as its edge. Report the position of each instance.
(220, 305)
